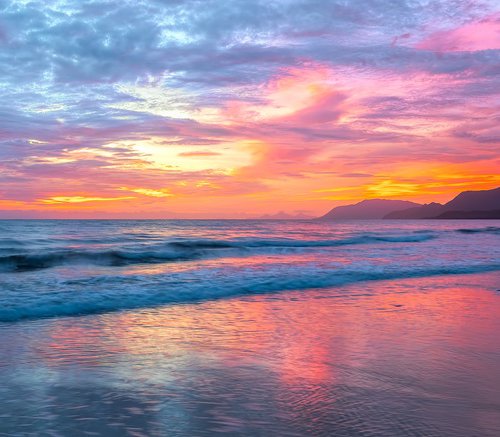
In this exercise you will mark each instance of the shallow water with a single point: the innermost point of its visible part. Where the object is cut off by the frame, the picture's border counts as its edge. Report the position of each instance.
(410, 357)
(57, 268)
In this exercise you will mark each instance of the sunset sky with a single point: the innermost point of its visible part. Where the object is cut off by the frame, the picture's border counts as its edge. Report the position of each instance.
(239, 108)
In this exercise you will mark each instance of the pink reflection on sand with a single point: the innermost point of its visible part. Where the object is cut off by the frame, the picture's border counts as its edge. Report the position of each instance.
(414, 329)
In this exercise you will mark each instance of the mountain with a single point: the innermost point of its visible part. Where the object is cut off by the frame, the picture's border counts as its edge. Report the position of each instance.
(490, 214)
(467, 205)
(484, 200)
(418, 212)
(368, 209)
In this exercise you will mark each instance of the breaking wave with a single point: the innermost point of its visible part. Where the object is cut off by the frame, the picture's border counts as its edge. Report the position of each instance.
(113, 293)
(51, 269)
(182, 250)
(486, 230)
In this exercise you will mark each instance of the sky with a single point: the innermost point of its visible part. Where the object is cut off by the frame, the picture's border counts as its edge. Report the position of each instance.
(240, 108)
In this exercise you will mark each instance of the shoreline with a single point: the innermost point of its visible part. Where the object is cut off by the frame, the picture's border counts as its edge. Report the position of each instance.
(396, 357)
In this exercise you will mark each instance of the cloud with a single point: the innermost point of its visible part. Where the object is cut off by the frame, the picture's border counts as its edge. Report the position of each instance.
(80, 199)
(483, 34)
(200, 153)
(215, 99)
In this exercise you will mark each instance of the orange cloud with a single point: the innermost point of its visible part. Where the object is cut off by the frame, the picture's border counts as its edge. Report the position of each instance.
(81, 199)
(200, 153)
(148, 192)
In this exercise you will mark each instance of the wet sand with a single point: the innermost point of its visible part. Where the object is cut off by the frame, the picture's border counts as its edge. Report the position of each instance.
(415, 357)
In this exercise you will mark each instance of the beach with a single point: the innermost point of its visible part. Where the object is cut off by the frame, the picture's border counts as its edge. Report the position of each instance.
(400, 357)
(200, 328)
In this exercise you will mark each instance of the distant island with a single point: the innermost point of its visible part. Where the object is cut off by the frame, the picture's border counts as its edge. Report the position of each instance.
(484, 204)
(284, 216)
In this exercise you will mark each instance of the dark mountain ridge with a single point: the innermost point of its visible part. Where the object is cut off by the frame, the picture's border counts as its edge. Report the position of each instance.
(483, 204)
(368, 209)
(480, 204)
(418, 212)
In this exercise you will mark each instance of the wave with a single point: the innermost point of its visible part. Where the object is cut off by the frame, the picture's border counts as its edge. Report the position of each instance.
(182, 250)
(486, 230)
(101, 294)
(11, 242)
(35, 261)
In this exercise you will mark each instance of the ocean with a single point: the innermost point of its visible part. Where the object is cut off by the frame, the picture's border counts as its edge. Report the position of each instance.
(249, 328)
(58, 268)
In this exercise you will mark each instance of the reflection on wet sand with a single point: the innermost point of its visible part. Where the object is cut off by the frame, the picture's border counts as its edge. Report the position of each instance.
(412, 357)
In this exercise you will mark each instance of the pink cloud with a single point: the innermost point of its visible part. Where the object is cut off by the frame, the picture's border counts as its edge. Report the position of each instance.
(325, 109)
(479, 35)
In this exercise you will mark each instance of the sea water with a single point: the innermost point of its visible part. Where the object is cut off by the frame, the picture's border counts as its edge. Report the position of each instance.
(53, 268)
